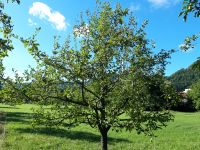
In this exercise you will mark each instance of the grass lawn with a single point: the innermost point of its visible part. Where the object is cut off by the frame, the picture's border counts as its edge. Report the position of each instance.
(182, 134)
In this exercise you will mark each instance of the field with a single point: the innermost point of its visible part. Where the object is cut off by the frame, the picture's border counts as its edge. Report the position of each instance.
(181, 134)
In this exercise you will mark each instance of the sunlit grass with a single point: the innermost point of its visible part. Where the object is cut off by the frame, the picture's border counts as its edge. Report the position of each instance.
(182, 134)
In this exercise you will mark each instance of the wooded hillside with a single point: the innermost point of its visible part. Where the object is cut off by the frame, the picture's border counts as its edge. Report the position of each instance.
(184, 78)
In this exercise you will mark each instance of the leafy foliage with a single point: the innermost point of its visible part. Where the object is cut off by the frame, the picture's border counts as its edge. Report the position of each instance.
(194, 94)
(6, 37)
(158, 90)
(190, 6)
(106, 81)
(189, 42)
(6, 28)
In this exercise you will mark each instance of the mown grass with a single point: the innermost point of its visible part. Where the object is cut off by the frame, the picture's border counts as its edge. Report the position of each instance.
(182, 134)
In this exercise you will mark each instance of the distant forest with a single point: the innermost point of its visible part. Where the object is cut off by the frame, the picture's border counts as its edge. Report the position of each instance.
(184, 78)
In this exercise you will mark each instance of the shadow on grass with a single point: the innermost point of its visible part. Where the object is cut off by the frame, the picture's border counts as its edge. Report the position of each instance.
(73, 135)
(18, 117)
(25, 118)
(9, 107)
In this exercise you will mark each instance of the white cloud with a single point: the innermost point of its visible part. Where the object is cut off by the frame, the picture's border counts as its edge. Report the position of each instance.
(31, 22)
(12, 74)
(134, 7)
(163, 3)
(43, 11)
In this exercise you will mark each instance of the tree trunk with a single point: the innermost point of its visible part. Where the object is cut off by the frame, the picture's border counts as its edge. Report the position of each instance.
(104, 140)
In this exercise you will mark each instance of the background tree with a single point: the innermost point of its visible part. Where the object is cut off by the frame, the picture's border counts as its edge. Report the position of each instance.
(104, 82)
(194, 94)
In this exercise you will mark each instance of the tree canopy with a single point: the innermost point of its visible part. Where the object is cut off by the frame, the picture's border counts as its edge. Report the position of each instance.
(105, 81)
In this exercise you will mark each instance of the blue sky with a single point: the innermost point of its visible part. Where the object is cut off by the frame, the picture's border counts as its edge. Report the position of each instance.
(58, 17)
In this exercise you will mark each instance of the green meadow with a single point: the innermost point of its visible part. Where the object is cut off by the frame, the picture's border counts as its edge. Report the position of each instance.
(181, 134)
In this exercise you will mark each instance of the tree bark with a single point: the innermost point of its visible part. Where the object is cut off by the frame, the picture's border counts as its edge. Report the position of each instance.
(104, 139)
